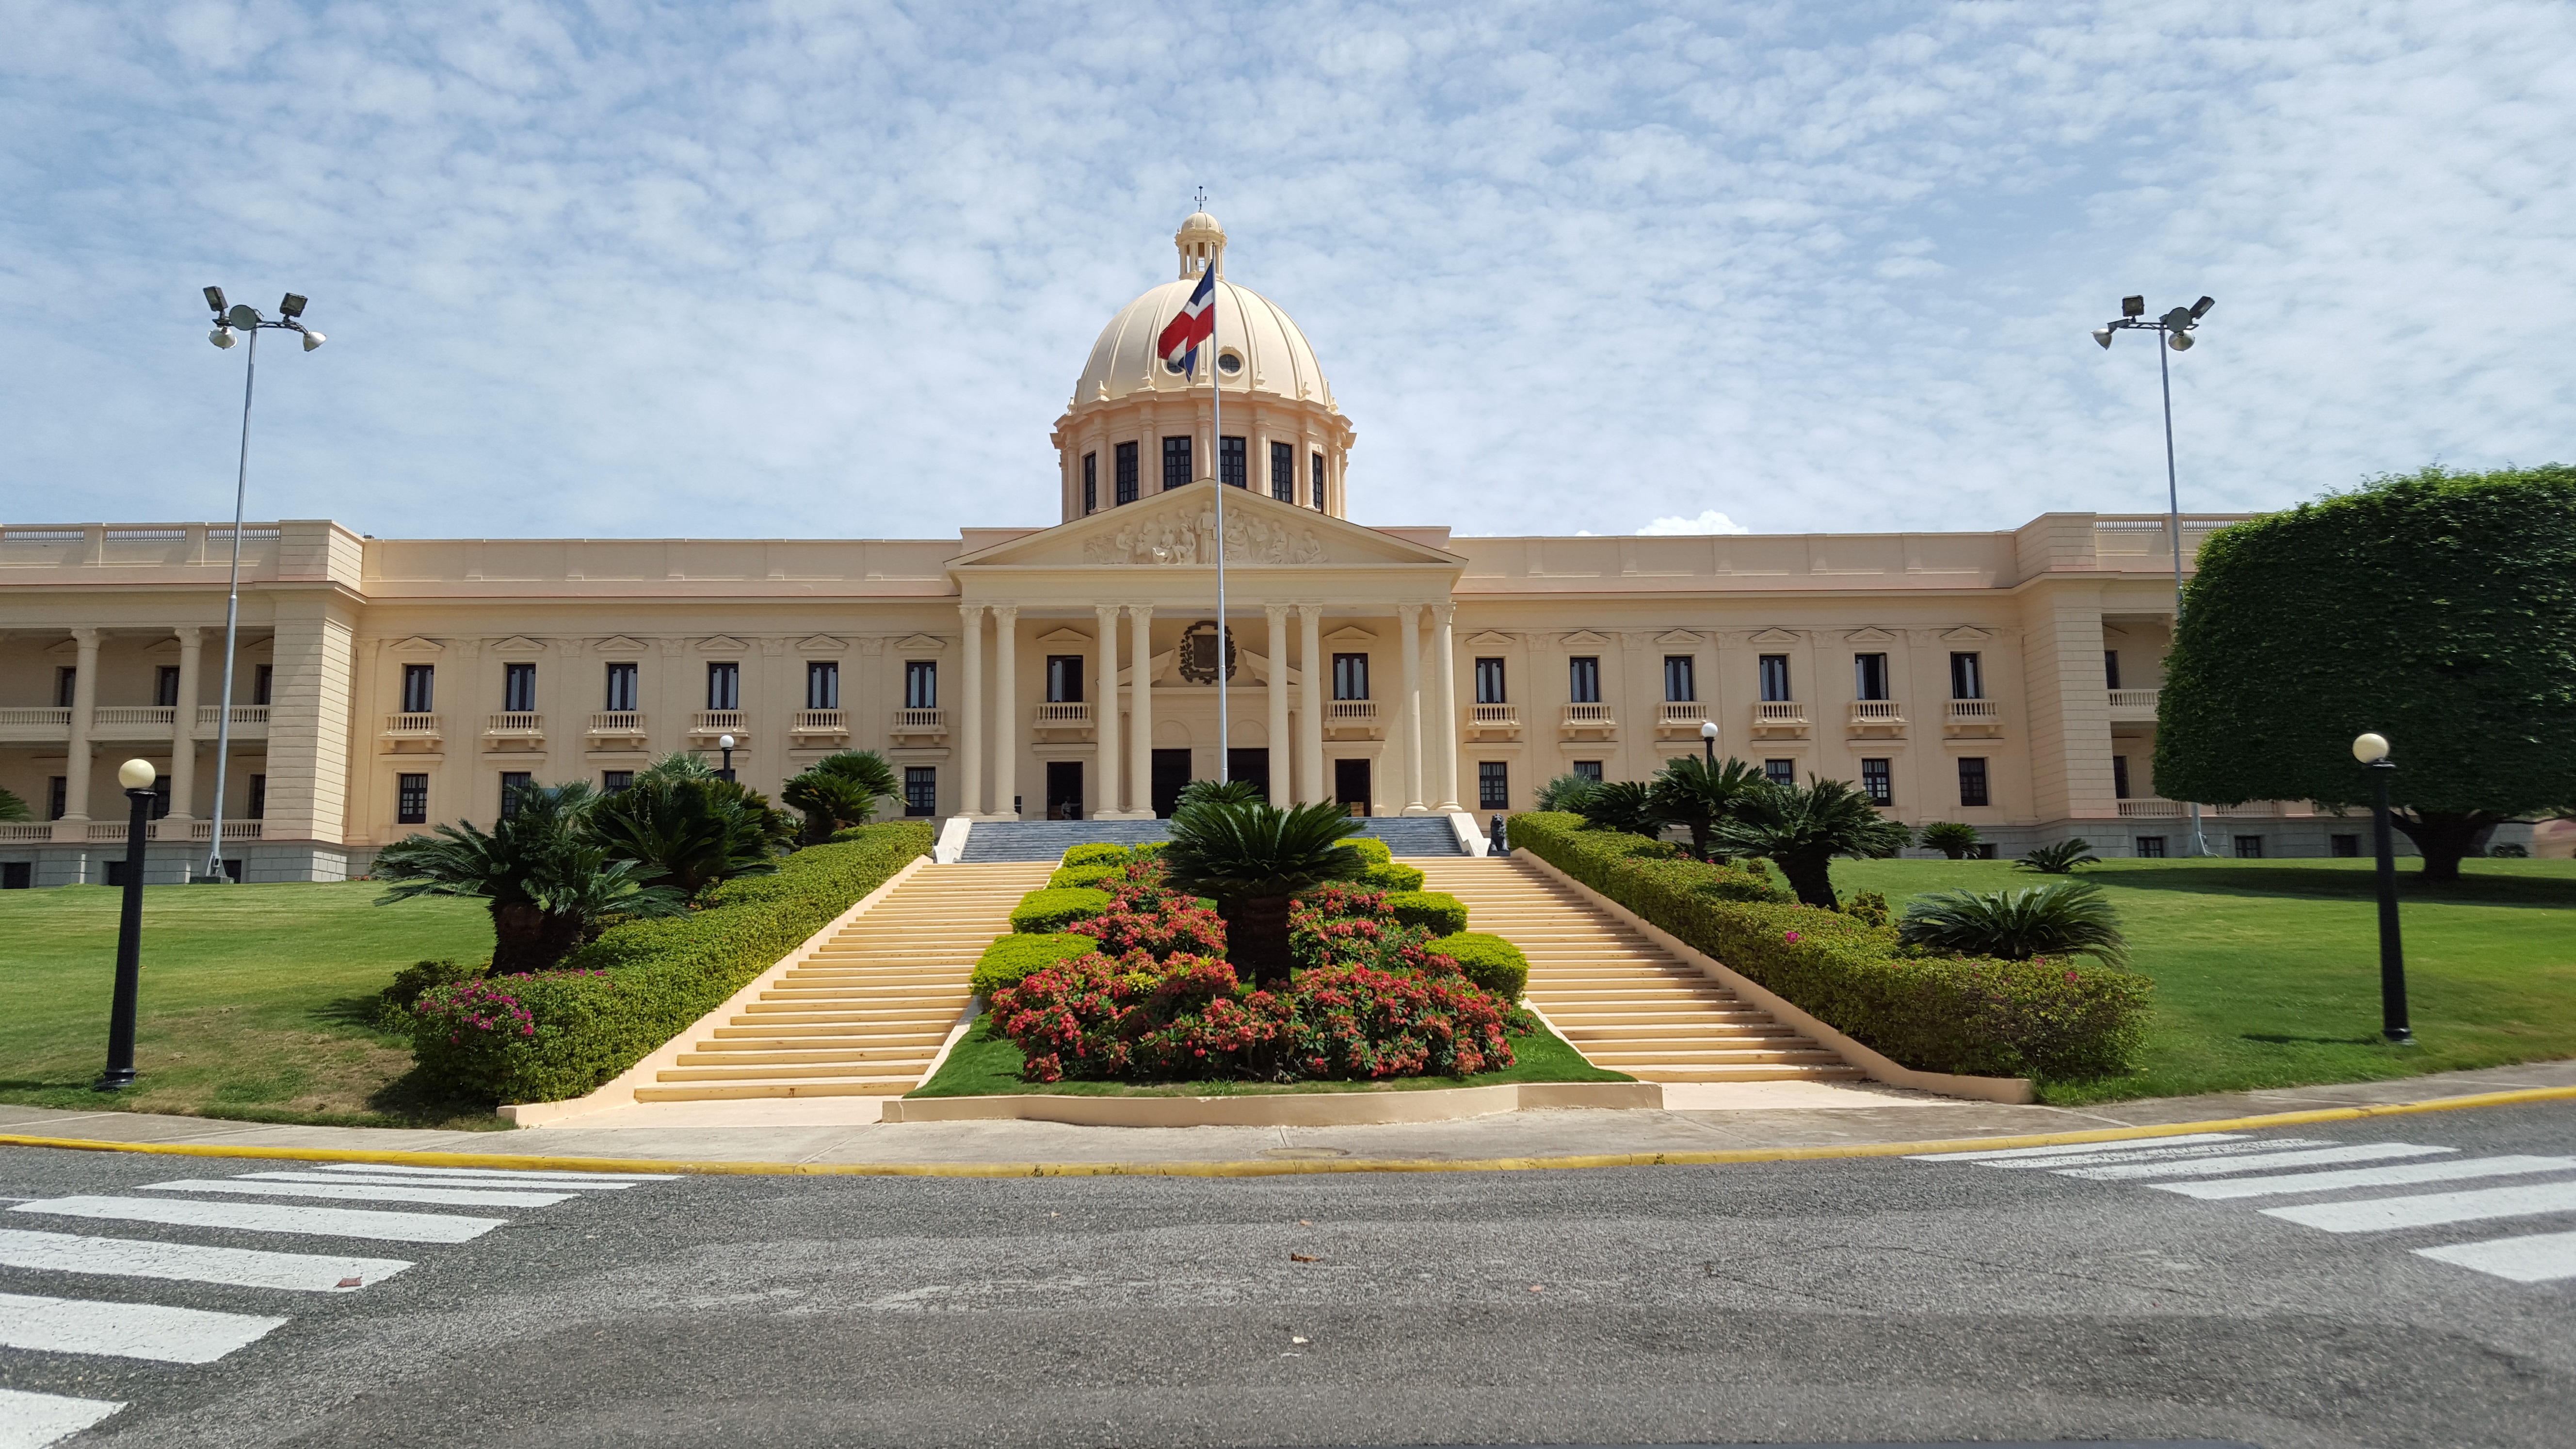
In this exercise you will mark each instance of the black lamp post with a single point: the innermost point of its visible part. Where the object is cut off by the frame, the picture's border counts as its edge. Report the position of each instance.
(1708, 740)
(137, 777)
(2372, 751)
(725, 743)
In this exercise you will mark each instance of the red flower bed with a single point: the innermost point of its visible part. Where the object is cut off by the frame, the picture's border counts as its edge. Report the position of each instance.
(1163, 929)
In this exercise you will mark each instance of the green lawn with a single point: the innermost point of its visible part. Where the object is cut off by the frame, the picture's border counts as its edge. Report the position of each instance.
(254, 1005)
(985, 1064)
(2267, 972)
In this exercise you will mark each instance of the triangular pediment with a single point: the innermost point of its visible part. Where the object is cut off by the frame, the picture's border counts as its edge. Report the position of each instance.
(1773, 636)
(1682, 637)
(1586, 638)
(721, 644)
(619, 644)
(518, 644)
(416, 645)
(1064, 637)
(822, 644)
(1178, 530)
(1491, 640)
(1869, 636)
(1966, 635)
(918, 643)
(1350, 634)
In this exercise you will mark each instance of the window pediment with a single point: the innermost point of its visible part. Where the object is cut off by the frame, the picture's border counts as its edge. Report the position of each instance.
(518, 644)
(919, 643)
(619, 644)
(1775, 636)
(721, 644)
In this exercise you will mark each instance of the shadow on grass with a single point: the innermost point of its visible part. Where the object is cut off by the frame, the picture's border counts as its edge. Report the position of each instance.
(2276, 1039)
(2530, 892)
(411, 1100)
(362, 1013)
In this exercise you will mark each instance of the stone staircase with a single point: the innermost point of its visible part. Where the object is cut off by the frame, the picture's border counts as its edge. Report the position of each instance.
(1047, 840)
(867, 1013)
(1621, 1000)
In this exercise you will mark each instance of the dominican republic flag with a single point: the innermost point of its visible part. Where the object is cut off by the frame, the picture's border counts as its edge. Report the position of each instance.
(1194, 324)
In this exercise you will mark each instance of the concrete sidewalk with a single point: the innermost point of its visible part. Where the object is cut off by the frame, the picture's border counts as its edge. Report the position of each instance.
(1749, 1123)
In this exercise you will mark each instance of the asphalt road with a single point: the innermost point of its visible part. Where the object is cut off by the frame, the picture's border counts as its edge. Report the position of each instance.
(1829, 1302)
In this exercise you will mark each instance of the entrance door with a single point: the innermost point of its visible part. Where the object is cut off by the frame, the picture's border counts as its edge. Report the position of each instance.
(1251, 765)
(1351, 785)
(1064, 790)
(1171, 773)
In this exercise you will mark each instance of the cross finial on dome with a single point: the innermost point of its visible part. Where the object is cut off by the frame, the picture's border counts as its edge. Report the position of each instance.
(1202, 242)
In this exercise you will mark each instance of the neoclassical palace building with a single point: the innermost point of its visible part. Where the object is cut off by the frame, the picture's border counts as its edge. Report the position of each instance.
(2006, 679)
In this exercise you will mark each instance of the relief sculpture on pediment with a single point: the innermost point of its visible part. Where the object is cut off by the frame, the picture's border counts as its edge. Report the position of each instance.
(1179, 538)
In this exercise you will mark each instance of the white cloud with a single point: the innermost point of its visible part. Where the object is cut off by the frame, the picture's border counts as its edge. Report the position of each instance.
(832, 267)
(1710, 521)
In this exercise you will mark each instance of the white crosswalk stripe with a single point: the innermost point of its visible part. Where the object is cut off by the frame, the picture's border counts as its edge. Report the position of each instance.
(125, 1330)
(2228, 1167)
(191, 1262)
(32, 1421)
(253, 1186)
(505, 1183)
(566, 1179)
(266, 1217)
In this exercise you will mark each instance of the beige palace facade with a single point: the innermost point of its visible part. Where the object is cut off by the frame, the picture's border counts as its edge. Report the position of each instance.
(2007, 679)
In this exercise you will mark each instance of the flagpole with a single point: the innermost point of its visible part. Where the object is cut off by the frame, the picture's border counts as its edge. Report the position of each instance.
(1216, 426)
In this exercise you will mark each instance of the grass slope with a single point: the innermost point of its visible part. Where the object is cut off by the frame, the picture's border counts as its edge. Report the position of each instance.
(254, 1000)
(986, 1064)
(2267, 972)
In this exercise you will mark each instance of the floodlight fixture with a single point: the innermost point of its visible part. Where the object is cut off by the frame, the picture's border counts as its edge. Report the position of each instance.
(2178, 341)
(2201, 308)
(243, 315)
(291, 306)
(215, 299)
(313, 339)
(221, 337)
(2133, 306)
(2102, 335)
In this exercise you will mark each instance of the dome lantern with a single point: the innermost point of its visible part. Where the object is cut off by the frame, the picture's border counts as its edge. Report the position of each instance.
(1202, 244)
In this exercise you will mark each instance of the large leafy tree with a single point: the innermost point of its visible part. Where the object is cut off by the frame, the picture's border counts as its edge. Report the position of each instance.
(1253, 859)
(1696, 794)
(545, 881)
(1802, 828)
(2438, 609)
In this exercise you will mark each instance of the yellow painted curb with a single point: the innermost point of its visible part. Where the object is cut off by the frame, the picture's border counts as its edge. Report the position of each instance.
(1267, 1168)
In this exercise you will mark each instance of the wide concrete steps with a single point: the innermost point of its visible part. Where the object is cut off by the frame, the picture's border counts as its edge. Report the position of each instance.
(866, 1014)
(1624, 1002)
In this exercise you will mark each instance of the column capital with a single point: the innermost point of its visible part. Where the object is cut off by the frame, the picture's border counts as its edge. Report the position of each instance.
(1442, 612)
(87, 638)
(1005, 613)
(970, 612)
(1107, 613)
(1140, 611)
(1411, 614)
(1276, 613)
(188, 634)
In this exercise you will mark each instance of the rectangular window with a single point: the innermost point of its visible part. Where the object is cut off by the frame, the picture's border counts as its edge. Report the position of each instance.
(165, 685)
(920, 791)
(1681, 679)
(1967, 677)
(2343, 847)
(57, 797)
(921, 684)
(411, 799)
(2119, 777)
(1780, 772)
(161, 798)
(1350, 676)
(262, 678)
(420, 692)
(512, 782)
(614, 782)
(1982, 850)
(2111, 668)
(519, 688)
(1283, 472)
(724, 684)
(2249, 847)
(622, 692)
(1583, 679)
(17, 875)
(1090, 482)
(1869, 676)
(1315, 485)
(1230, 463)
(1878, 781)
(2151, 847)
(255, 807)
(1493, 785)
(1176, 462)
(66, 686)
(1588, 769)
(1126, 472)
(1489, 682)
(1064, 679)
(1775, 679)
(822, 684)
(1972, 782)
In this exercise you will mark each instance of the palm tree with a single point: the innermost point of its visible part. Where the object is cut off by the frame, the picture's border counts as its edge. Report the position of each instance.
(1220, 792)
(1952, 838)
(1565, 792)
(688, 831)
(1696, 794)
(2059, 859)
(12, 808)
(1253, 858)
(2062, 918)
(839, 789)
(1624, 805)
(546, 884)
(1802, 830)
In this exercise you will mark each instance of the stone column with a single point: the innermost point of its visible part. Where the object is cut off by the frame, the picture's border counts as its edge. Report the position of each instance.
(183, 729)
(1140, 715)
(1313, 704)
(1282, 781)
(74, 825)
(1006, 711)
(970, 715)
(1104, 713)
(1444, 702)
(1409, 705)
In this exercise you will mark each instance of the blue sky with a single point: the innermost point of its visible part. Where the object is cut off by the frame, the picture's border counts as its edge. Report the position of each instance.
(831, 269)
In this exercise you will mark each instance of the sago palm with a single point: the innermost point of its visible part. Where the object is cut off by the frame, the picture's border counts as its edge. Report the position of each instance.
(2062, 918)
(1802, 829)
(1253, 858)
(544, 884)
(838, 790)
(12, 808)
(1952, 838)
(1565, 792)
(1623, 805)
(1695, 794)
(687, 832)
(2061, 858)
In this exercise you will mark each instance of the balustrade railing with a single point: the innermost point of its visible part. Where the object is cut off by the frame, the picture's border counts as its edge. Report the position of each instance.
(1974, 709)
(719, 721)
(243, 714)
(415, 726)
(1352, 711)
(1779, 711)
(1877, 712)
(54, 718)
(1683, 712)
(516, 722)
(18, 833)
(617, 722)
(1589, 715)
(128, 715)
(2134, 701)
(1495, 715)
(920, 721)
(1073, 712)
(2150, 809)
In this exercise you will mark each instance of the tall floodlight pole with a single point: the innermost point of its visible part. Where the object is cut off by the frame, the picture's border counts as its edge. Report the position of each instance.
(242, 318)
(2176, 327)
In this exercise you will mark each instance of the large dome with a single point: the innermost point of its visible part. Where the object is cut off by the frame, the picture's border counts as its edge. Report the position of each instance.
(1275, 354)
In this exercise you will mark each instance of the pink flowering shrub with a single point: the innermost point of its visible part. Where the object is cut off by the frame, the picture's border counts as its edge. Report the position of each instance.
(1168, 928)
(486, 1029)
(1360, 1023)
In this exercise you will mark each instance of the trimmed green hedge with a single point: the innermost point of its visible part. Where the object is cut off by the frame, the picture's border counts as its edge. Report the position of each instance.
(1096, 853)
(1373, 851)
(1011, 958)
(1975, 1016)
(1441, 915)
(1490, 961)
(1386, 875)
(655, 977)
(1082, 876)
(1042, 912)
